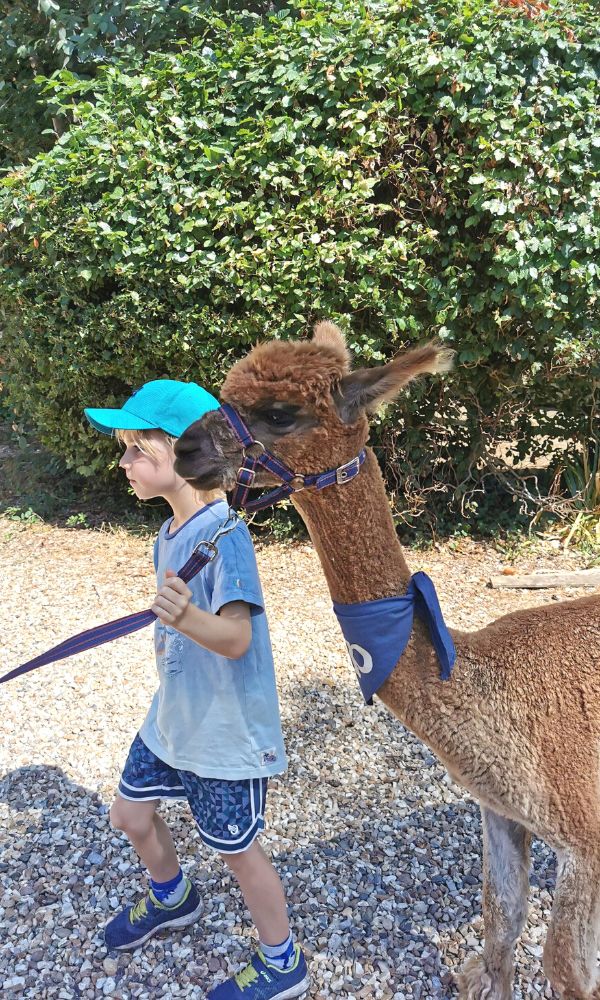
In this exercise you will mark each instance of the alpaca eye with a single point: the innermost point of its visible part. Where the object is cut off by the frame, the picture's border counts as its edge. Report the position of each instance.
(279, 418)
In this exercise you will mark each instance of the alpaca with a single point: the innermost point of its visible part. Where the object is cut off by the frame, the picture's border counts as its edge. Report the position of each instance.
(518, 723)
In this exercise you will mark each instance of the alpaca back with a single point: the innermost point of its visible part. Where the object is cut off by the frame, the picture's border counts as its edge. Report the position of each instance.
(533, 641)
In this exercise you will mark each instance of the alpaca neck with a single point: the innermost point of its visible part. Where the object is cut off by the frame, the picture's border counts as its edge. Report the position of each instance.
(353, 533)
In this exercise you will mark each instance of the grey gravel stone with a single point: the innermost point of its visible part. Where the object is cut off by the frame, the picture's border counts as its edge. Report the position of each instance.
(379, 851)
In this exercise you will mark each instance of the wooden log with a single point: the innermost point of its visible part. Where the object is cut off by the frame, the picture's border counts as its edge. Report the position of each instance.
(536, 581)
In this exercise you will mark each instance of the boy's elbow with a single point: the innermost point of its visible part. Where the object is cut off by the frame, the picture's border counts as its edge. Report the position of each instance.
(241, 643)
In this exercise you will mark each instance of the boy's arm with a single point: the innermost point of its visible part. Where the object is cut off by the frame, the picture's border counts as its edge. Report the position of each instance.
(228, 633)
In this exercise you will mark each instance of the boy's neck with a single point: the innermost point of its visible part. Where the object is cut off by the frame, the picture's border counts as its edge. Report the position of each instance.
(185, 503)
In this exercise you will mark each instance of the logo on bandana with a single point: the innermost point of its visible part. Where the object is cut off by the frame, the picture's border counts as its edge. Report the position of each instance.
(362, 660)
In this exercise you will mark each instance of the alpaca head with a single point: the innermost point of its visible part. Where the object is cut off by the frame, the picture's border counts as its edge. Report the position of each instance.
(302, 402)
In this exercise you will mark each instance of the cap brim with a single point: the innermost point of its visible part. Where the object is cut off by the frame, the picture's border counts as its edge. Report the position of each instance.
(107, 421)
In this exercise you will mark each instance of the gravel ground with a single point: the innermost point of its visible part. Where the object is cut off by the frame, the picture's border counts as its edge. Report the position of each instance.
(378, 849)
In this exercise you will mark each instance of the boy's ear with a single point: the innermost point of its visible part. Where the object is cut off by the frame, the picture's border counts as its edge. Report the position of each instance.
(368, 388)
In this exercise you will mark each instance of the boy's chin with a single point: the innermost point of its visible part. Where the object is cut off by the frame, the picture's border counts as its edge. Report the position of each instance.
(140, 493)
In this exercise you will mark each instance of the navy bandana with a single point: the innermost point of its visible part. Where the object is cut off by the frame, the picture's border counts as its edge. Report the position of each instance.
(377, 632)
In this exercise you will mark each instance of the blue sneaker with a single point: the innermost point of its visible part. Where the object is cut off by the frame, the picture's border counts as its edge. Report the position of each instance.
(262, 981)
(136, 923)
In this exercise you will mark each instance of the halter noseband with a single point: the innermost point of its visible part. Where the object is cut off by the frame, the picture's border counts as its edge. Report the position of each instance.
(292, 481)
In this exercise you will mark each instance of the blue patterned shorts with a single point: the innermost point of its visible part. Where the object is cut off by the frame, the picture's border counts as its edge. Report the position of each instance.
(229, 814)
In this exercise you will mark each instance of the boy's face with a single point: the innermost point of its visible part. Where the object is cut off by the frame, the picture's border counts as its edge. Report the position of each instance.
(150, 476)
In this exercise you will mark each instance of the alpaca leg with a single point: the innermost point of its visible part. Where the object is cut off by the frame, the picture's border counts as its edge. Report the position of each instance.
(505, 883)
(571, 951)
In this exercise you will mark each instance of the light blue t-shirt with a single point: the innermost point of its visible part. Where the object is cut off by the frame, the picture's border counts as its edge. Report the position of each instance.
(212, 715)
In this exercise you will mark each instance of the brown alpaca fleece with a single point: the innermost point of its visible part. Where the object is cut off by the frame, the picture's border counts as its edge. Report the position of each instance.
(518, 724)
(271, 371)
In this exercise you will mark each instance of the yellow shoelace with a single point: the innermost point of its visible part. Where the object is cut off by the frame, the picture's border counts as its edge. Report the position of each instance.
(138, 911)
(246, 976)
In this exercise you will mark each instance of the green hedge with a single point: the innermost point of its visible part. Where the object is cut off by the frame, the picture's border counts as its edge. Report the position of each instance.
(407, 168)
(38, 39)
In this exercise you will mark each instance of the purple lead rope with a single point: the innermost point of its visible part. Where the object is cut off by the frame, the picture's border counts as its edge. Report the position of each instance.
(129, 623)
(291, 483)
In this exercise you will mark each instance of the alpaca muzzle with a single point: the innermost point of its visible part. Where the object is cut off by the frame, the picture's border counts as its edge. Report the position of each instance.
(256, 457)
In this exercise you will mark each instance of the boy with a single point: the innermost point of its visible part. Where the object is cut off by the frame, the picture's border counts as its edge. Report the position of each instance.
(212, 734)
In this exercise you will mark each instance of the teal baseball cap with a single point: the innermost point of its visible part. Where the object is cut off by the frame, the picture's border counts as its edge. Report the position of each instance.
(163, 404)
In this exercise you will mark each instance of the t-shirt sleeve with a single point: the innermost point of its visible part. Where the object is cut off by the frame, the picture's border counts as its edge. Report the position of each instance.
(234, 573)
(155, 555)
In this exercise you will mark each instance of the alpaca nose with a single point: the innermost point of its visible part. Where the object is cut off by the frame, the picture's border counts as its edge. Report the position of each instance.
(192, 439)
(193, 453)
(186, 445)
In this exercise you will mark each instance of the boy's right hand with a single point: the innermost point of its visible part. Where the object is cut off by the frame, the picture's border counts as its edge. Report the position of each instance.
(172, 600)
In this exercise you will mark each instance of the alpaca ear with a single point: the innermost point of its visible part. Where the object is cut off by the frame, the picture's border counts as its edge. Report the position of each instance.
(368, 388)
(330, 337)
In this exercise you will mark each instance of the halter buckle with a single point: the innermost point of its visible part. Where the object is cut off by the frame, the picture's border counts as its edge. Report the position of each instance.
(297, 483)
(345, 472)
(253, 444)
(250, 473)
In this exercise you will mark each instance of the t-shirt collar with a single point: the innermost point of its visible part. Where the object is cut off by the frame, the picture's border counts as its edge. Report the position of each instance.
(192, 518)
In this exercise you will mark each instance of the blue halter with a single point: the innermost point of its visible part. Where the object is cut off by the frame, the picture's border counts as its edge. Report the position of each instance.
(293, 482)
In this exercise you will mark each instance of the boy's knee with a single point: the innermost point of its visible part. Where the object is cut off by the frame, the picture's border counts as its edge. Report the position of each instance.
(237, 863)
(130, 818)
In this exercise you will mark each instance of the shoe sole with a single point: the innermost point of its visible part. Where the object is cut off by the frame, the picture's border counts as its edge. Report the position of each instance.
(294, 991)
(189, 918)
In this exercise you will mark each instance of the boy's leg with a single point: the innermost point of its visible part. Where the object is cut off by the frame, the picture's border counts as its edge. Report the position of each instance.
(278, 969)
(148, 834)
(263, 893)
(230, 815)
(172, 900)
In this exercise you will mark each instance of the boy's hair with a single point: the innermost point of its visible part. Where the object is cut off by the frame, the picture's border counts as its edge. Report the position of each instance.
(144, 442)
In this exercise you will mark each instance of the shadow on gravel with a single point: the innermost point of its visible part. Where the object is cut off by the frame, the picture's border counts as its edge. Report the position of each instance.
(387, 881)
